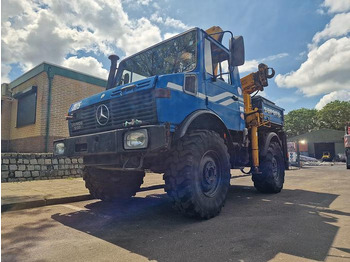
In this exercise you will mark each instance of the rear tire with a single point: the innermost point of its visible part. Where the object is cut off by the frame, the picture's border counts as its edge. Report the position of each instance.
(272, 170)
(198, 175)
(112, 185)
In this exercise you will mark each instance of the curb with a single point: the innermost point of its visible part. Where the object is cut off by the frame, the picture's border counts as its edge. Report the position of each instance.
(59, 200)
(43, 202)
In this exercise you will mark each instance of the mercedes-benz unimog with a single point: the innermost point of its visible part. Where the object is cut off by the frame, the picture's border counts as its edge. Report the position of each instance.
(179, 108)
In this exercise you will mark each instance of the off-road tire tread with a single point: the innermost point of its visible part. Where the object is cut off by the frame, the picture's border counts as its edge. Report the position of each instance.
(179, 173)
(265, 182)
(112, 185)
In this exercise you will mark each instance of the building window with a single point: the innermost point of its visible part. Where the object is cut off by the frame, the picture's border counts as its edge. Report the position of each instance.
(26, 106)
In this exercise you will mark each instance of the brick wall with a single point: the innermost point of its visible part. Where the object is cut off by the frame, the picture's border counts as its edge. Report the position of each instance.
(5, 117)
(65, 91)
(36, 129)
(24, 167)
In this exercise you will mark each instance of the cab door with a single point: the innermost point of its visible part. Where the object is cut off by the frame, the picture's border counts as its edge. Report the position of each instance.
(224, 96)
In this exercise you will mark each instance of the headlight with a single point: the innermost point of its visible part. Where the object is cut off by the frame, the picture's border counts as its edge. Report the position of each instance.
(136, 139)
(59, 148)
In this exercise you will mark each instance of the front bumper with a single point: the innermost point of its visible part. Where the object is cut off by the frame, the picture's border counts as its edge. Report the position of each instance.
(112, 142)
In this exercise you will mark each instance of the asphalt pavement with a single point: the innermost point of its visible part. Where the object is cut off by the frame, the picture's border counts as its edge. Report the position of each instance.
(308, 221)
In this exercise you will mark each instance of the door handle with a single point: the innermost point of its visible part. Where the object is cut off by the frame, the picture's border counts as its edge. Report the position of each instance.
(235, 98)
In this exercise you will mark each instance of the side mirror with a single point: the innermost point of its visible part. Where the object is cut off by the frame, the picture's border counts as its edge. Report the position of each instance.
(236, 51)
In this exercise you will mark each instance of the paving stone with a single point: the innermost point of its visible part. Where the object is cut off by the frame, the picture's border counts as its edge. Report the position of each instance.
(12, 161)
(4, 167)
(5, 161)
(55, 161)
(74, 161)
(80, 160)
(35, 173)
(4, 174)
(41, 161)
(67, 161)
(13, 167)
(21, 167)
(18, 174)
(25, 161)
(30, 167)
(27, 174)
(19, 161)
(33, 161)
(37, 167)
(48, 161)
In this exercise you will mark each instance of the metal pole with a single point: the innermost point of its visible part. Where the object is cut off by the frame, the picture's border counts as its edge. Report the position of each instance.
(298, 154)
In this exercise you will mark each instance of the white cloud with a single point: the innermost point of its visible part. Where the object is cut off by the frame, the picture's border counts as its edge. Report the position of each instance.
(342, 95)
(168, 21)
(249, 66)
(327, 66)
(47, 30)
(252, 65)
(274, 57)
(143, 2)
(88, 65)
(337, 6)
(169, 35)
(5, 70)
(325, 70)
(338, 26)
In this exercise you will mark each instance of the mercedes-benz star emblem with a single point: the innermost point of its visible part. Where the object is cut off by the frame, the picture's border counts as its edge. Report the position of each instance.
(102, 114)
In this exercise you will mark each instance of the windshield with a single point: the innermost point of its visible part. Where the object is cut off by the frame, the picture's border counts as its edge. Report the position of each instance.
(174, 56)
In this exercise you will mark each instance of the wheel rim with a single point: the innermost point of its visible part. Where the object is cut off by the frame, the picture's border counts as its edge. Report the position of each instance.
(274, 168)
(210, 173)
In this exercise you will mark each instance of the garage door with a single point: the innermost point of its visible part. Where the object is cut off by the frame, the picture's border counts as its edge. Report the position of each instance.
(324, 147)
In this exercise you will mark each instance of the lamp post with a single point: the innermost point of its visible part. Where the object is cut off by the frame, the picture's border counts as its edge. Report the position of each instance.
(298, 151)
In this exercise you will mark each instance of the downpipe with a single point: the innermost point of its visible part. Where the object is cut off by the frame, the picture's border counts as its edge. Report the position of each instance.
(50, 77)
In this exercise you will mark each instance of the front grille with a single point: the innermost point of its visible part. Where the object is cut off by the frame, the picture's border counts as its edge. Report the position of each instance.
(139, 105)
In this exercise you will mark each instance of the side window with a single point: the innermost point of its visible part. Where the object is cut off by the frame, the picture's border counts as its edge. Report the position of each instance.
(216, 61)
(126, 77)
(207, 57)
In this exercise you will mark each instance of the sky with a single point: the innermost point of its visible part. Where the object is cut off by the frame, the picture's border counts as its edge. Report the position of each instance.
(306, 42)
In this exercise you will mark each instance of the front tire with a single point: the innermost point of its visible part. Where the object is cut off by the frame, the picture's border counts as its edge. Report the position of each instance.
(272, 170)
(112, 185)
(198, 175)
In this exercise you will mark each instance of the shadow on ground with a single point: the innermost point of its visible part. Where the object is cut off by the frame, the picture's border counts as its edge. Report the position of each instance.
(251, 227)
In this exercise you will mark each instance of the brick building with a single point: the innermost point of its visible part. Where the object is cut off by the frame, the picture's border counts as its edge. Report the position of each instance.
(33, 106)
(319, 141)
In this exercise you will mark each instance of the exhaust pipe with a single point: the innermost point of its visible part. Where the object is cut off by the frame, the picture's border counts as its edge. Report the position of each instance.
(111, 76)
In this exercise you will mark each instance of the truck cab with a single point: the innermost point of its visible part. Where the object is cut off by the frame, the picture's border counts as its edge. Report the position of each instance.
(186, 88)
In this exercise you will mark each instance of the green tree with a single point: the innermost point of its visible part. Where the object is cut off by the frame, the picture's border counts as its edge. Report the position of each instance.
(300, 121)
(334, 115)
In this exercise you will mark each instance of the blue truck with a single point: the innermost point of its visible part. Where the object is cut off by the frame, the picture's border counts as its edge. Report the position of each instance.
(179, 108)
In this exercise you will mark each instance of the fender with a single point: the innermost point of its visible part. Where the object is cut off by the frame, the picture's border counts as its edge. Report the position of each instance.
(266, 143)
(199, 114)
